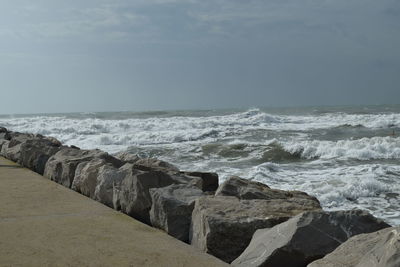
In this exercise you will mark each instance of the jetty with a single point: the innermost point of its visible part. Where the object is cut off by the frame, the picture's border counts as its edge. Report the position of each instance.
(43, 223)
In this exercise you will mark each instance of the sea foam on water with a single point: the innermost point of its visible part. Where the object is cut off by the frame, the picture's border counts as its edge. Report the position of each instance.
(347, 157)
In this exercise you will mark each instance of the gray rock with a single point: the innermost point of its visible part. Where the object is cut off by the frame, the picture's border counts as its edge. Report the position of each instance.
(12, 149)
(209, 180)
(108, 181)
(86, 176)
(132, 195)
(61, 166)
(147, 164)
(305, 238)
(172, 208)
(224, 225)
(3, 141)
(4, 134)
(246, 189)
(378, 249)
(127, 157)
(34, 153)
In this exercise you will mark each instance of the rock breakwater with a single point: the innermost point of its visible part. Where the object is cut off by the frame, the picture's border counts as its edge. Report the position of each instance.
(240, 221)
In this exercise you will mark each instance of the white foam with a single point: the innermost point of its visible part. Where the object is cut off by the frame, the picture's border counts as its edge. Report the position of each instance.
(340, 187)
(363, 149)
(179, 140)
(187, 129)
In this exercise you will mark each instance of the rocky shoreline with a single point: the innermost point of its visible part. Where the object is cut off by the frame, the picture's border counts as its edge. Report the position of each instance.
(241, 222)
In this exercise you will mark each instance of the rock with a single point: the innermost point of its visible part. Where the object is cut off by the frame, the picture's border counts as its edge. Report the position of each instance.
(147, 164)
(246, 189)
(86, 175)
(224, 225)
(378, 249)
(209, 180)
(61, 166)
(108, 180)
(306, 237)
(4, 145)
(34, 153)
(172, 208)
(127, 157)
(12, 149)
(3, 141)
(132, 195)
(4, 134)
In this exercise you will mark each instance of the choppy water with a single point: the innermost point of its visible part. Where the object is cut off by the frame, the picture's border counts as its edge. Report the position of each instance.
(348, 157)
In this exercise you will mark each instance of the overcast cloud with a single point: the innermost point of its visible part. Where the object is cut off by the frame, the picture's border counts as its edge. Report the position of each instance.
(100, 55)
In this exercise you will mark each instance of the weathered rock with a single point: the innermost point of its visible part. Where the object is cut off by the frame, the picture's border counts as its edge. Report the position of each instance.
(127, 157)
(246, 189)
(147, 164)
(4, 134)
(132, 195)
(305, 238)
(172, 208)
(3, 141)
(61, 166)
(109, 178)
(86, 175)
(34, 153)
(378, 249)
(4, 145)
(12, 149)
(224, 225)
(209, 180)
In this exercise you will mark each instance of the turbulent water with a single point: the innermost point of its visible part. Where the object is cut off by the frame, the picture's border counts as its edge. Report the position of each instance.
(348, 157)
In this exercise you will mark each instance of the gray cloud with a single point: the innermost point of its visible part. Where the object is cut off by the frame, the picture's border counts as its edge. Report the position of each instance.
(157, 54)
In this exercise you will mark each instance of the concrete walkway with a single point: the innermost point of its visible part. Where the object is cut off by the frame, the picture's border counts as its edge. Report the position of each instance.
(45, 224)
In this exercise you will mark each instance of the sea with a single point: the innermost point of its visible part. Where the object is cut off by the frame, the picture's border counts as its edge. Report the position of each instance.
(346, 156)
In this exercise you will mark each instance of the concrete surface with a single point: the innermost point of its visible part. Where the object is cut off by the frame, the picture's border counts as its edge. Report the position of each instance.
(45, 224)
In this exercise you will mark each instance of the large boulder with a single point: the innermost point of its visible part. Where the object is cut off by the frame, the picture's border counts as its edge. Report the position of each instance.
(12, 148)
(108, 181)
(2, 142)
(4, 134)
(132, 195)
(209, 180)
(172, 208)
(87, 173)
(305, 238)
(224, 225)
(61, 166)
(148, 164)
(127, 157)
(378, 249)
(34, 153)
(4, 137)
(246, 189)
(145, 164)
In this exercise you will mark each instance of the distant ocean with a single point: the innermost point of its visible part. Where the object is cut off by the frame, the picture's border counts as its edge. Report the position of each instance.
(348, 157)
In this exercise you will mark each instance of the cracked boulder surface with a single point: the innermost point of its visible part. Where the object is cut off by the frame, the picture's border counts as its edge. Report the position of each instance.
(377, 249)
(306, 237)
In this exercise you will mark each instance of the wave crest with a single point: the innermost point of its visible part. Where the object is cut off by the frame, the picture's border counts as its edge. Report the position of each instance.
(361, 149)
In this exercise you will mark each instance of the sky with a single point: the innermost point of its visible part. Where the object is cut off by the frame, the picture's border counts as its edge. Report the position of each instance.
(120, 55)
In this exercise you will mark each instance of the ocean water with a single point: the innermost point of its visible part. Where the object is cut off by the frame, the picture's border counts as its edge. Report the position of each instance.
(348, 157)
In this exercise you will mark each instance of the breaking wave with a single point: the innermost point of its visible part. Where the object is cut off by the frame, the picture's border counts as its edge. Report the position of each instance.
(347, 160)
(361, 149)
